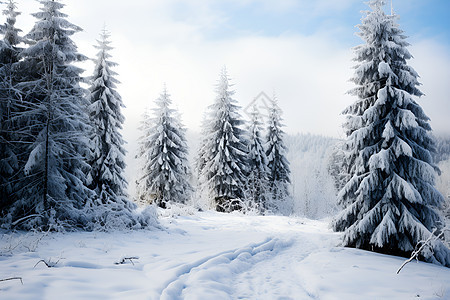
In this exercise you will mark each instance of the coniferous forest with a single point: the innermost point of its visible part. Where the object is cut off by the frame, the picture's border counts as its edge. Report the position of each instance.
(383, 187)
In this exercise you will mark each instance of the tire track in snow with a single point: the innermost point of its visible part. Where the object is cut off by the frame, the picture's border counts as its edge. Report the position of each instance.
(211, 277)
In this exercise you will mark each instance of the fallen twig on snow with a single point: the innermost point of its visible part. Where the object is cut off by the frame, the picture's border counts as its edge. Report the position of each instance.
(125, 259)
(12, 278)
(49, 264)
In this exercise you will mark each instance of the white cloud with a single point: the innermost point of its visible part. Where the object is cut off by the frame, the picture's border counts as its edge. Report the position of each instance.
(432, 62)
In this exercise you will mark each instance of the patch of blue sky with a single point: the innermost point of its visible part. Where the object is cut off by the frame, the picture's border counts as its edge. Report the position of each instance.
(425, 19)
(420, 19)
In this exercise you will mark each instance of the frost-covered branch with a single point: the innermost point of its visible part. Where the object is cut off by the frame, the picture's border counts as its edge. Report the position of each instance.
(427, 243)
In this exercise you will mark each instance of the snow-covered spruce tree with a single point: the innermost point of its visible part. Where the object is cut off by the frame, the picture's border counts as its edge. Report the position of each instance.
(53, 124)
(201, 198)
(9, 55)
(142, 197)
(279, 172)
(202, 151)
(164, 152)
(107, 163)
(390, 201)
(224, 164)
(257, 185)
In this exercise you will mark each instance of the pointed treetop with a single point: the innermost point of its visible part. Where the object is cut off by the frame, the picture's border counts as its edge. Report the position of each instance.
(274, 97)
(255, 114)
(11, 9)
(224, 72)
(223, 83)
(104, 42)
(377, 4)
(105, 30)
(105, 34)
(165, 94)
(52, 8)
(9, 30)
(163, 101)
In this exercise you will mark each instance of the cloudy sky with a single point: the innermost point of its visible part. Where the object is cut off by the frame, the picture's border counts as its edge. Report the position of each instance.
(300, 49)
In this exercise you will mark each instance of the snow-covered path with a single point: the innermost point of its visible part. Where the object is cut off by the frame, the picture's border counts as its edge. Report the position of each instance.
(211, 256)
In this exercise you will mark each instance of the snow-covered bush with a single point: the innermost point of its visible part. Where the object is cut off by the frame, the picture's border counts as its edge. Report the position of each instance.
(13, 242)
(109, 218)
(174, 209)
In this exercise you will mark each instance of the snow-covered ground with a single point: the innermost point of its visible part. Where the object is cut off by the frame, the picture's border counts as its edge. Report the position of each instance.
(210, 256)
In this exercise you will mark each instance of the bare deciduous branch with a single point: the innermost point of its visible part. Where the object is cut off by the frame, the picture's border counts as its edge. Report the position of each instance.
(48, 263)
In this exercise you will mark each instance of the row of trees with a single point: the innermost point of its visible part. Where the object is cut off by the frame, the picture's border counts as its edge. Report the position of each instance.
(62, 155)
(236, 169)
(61, 152)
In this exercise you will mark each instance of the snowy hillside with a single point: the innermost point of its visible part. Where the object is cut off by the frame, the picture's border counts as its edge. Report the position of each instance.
(210, 256)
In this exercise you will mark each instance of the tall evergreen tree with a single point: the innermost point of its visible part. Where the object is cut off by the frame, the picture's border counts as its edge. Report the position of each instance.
(202, 192)
(224, 164)
(141, 195)
(9, 55)
(107, 146)
(53, 124)
(257, 187)
(202, 151)
(390, 199)
(279, 172)
(164, 153)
